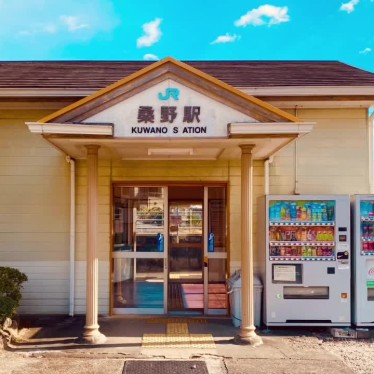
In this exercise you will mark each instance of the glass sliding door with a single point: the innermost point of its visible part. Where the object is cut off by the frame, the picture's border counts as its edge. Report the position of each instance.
(169, 250)
(139, 250)
(215, 250)
(185, 256)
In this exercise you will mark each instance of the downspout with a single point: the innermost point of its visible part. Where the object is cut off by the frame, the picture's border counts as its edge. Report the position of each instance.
(370, 121)
(296, 186)
(267, 174)
(71, 161)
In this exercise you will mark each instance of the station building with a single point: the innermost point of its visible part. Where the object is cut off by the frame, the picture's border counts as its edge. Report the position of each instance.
(130, 187)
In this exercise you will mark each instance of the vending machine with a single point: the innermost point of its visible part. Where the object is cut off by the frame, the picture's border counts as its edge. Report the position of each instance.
(363, 260)
(305, 242)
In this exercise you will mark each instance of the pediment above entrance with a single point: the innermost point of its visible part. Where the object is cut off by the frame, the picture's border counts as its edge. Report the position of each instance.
(170, 110)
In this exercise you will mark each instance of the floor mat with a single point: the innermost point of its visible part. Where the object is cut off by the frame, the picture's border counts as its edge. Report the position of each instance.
(193, 296)
(175, 301)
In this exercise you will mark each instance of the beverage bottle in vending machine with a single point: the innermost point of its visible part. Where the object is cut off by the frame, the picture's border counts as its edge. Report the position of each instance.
(308, 212)
(314, 212)
(365, 246)
(298, 213)
(369, 229)
(330, 213)
(365, 230)
(364, 209)
(277, 212)
(288, 213)
(304, 235)
(330, 234)
(303, 213)
(273, 234)
(293, 211)
(324, 212)
(283, 212)
(272, 213)
(371, 210)
(304, 251)
(310, 235)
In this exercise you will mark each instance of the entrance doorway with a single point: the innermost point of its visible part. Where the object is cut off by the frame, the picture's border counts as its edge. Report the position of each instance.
(169, 250)
(186, 249)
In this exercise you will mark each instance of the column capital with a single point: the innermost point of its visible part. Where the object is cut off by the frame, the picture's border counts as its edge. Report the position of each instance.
(92, 149)
(247, 148)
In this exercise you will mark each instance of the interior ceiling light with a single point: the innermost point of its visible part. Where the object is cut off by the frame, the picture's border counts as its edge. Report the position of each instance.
(170, 151)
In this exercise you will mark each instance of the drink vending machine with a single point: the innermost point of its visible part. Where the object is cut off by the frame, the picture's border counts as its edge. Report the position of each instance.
(305, 240)
(363, 260)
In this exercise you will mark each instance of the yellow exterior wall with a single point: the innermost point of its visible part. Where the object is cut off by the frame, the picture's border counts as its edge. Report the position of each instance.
(332, 159)
(34, 195)
(34, 212)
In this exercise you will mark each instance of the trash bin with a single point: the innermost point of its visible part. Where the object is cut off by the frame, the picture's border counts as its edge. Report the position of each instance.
(235, 296)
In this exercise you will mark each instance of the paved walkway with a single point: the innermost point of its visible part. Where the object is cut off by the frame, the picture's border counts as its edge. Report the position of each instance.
(50, 346)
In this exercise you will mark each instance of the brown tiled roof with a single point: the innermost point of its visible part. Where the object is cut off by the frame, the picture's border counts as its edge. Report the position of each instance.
(94, 75)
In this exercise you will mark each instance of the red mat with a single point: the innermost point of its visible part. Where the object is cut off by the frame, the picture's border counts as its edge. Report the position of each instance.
(193, 296)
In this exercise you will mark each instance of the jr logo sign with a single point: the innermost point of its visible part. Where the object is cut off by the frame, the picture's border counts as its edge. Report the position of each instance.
(169, 93)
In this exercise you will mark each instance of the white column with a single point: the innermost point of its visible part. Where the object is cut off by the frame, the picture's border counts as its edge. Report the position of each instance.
(91, 332)
(247, 334)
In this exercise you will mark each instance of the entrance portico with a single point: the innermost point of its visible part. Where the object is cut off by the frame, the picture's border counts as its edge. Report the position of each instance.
(171, 112)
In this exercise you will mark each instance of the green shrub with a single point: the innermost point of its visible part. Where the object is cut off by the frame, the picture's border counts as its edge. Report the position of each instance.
(10, 291)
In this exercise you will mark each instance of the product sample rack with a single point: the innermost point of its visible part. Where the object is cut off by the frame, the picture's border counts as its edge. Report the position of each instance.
(292, 237)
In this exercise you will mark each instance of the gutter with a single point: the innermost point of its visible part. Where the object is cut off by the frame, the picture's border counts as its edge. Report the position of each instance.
(71, 161)
(256, 91)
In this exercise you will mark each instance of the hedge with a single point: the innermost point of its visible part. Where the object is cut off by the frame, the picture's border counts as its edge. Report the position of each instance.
(10, 291)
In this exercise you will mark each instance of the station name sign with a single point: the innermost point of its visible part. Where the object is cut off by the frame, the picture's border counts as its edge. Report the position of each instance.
(169, 120)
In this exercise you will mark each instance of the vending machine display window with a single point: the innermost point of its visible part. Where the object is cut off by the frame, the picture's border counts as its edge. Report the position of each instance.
(302, 230)
(367, 227)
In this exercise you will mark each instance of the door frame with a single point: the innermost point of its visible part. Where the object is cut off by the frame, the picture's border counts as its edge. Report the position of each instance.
(206, 255)
(184, 201)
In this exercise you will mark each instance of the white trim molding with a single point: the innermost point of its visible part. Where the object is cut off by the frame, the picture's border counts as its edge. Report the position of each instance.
(71, 129)
(308, 90)
(272, 128)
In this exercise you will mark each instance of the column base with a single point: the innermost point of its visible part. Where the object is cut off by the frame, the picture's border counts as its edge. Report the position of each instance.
(248, 336)
(92, 335)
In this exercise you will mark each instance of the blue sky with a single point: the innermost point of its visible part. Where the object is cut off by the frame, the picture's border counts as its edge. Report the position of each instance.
(188, 30)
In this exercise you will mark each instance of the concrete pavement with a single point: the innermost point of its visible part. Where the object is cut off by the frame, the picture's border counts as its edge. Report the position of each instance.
(50, 346)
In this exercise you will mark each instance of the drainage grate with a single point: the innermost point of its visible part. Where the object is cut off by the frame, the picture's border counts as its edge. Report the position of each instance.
(165, 367)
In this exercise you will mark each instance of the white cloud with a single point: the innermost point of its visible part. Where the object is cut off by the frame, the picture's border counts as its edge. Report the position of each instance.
(264, 14)
(227, 38)
(150, 57)
(152, 33)
(350, 6)
(73, 23)
(365, 51)
(48, 28)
